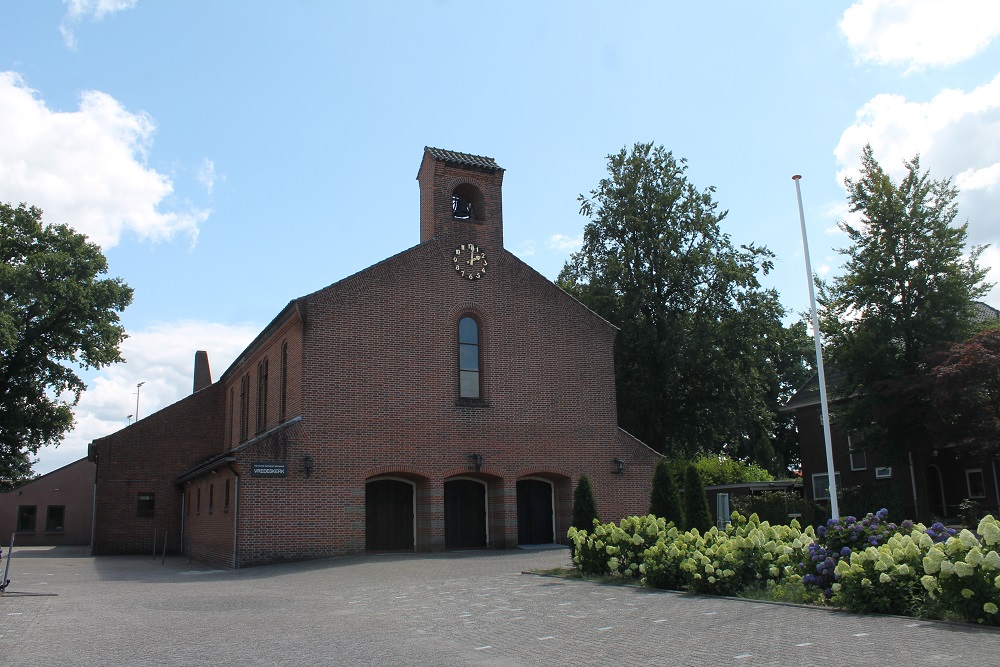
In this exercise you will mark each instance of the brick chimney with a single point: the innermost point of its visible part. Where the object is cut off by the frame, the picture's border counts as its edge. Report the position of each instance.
(202, 373)
(460, 196)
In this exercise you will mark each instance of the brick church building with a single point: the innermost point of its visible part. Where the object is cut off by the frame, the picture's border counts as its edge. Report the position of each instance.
(448, 397)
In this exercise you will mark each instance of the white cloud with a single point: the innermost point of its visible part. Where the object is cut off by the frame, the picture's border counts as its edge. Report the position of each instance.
(920, 33)
(86, 168)
(956, 134)
(161, 357)
(206, 175)
(78, 10)
(524, 249)
(565, 243)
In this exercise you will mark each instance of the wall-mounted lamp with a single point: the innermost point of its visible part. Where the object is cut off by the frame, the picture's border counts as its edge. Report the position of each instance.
(477, 460)
(307, 463)
(619, 465)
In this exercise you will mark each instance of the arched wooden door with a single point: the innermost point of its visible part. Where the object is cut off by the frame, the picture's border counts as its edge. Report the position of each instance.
(465, 514)
(535, 520)
(389, 515)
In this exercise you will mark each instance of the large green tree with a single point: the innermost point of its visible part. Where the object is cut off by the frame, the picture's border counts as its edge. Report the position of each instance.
(57, 316)
(698, 333)
(909, 285)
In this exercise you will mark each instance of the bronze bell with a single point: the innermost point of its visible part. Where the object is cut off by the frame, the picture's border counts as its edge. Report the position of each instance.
(461, 208)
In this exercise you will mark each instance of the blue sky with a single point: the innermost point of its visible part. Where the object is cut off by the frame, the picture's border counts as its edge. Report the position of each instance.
(231, 156)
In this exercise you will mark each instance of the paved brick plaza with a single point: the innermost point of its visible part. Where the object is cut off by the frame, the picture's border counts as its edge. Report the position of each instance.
(472, 608)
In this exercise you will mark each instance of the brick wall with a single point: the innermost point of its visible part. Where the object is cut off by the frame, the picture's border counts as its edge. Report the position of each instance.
(70, 487)
(147, 457)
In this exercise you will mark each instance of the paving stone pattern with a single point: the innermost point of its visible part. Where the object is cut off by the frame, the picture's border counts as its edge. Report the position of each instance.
(472, 608)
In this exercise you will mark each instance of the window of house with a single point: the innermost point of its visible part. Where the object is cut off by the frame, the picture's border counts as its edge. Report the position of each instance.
(54, 518)
(262, 396)
(976, 482)
(283, 393)
(859, 461)
(225, 505)
(468, 358)
(26, 518)
(821, 484)
(146, 504)
(884, 472)
(211, 497)
(244, 406)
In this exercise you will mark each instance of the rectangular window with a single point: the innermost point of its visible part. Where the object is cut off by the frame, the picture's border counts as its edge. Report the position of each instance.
(211, 497)
(859, 461)
(197, 505)
(821, 484)
(26, 518)
(225, 505)
(468, 358)
(54, 518)
(146, 504)
(884, 472)
(283, 403)
(232, 417)
(262, 396)
(244, 406)
(976, 482)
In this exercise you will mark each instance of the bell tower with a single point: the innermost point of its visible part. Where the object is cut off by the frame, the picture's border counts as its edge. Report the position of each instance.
(460, 196)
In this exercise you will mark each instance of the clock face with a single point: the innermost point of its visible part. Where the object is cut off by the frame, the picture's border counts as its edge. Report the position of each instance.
(470, 261)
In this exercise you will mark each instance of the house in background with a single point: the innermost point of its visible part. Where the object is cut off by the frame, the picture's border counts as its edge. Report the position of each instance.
(448, 397)
(930, 484)
(54, 509)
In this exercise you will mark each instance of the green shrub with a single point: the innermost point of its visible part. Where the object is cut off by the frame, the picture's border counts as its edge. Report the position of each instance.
(962, 574)
(775, 507)
(584, 505)
(720, 469)
(867, 498)
(664, 500)
(696, 512)
(970, 513)
(617, 548)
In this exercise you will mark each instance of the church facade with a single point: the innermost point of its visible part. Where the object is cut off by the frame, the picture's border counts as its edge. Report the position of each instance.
(448, 397)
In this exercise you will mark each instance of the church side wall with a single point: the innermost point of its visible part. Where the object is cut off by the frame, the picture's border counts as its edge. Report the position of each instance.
(146, 458)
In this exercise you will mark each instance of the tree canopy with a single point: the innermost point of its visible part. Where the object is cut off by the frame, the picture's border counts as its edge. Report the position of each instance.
(57, 316)
(699, 336)
(909, 285)
(965, 392)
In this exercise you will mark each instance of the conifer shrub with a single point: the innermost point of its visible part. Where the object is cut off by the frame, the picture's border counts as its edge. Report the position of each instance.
(697, 515)
(664, 499)
(584, 505)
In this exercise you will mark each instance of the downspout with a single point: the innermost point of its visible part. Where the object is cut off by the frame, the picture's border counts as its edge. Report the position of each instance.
(913, 483)
(93, 506)
(236, 516)
(183, 511)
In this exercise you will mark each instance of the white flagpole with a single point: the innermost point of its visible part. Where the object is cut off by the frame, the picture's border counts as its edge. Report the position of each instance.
(818, 339)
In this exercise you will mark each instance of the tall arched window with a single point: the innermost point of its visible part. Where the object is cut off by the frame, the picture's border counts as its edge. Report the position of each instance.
(468, 358)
